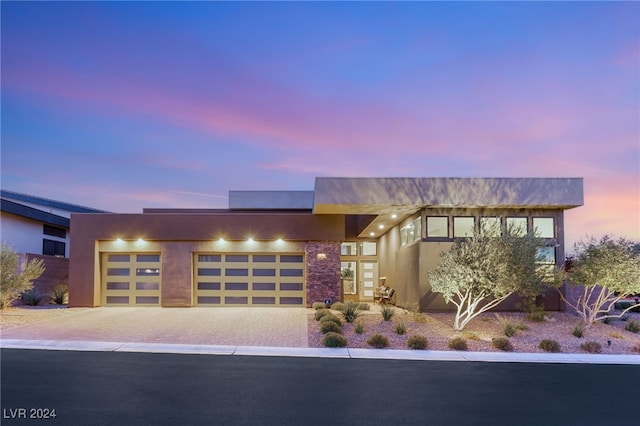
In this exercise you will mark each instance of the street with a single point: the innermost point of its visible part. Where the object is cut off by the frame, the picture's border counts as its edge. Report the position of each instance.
(106, 388)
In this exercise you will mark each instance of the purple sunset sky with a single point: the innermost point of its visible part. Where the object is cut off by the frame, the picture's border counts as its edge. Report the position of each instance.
(125, 105)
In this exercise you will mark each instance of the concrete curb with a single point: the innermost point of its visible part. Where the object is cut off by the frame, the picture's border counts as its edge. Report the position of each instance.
(355, 353)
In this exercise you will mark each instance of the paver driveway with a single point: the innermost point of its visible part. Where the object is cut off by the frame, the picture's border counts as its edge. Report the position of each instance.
(207, 326)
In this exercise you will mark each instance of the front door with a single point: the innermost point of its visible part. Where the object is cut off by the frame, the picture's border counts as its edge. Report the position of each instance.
(368, 279)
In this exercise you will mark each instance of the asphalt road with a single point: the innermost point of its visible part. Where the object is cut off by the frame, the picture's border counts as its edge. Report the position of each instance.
(105, 388)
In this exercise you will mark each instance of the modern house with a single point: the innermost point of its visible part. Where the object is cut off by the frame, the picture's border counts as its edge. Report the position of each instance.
(37, 227)
(293, 248)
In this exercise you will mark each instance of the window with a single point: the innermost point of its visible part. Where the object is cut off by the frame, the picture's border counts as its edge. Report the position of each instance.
(437, 226)
(53, 248)
(368, 248)
(490, 225)
(518, 225)
(54, 231)
(463, 226)
(546, 261)
(348, 249)
(544, 227)
(348, 277)
(411, 232)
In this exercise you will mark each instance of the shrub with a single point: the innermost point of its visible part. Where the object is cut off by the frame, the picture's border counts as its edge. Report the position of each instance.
(364, 306)
(334, 340)
(632, 326)
(59, 294)
(502, 343)
(400, 328)
(31, 297)
(591, 347)
(350, 311)
(616, 335)
(337, 306)
(607, 320)
(387, 312)
(458, 343)
(359, 327)
(378, 341)
(12, 283)
(321, 312)
(578, 330)
(331, 318)
(532, 310)
(548, 345)
(417, 342)
(510, 326)
(328, 326)
(470, 335)
(318, 305)
(636, 348)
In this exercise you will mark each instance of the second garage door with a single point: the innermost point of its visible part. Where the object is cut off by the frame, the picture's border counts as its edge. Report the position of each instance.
(249, 279)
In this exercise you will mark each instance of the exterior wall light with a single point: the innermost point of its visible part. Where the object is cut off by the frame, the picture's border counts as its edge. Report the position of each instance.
(221, 240)
(279, 241)
(140, 241)
(119, 240)
(250, 240)
(321, 256)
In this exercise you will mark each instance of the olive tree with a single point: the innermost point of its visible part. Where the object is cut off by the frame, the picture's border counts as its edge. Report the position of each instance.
(478, 273)
(602, 273)
(14, 282)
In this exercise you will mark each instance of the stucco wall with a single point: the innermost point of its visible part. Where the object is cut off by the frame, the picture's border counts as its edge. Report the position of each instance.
(23, 235)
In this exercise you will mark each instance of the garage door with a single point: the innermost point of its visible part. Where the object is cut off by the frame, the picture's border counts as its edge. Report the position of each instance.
(249, 279)
(130, 279)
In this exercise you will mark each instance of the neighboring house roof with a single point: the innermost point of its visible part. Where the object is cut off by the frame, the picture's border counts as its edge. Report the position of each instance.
(45, 202)
(8, 206)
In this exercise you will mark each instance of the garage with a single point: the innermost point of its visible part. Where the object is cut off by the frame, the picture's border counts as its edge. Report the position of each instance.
(131, 279)
(249, 279)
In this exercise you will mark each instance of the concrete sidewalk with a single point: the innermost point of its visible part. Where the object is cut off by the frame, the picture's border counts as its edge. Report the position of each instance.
(320, 352)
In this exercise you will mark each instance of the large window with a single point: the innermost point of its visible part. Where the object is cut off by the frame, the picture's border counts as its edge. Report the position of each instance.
(54, 231)
(518, 225)
(490, 225)
(463, 226)
(348, 249)
(348, 277)
(437, 226)
(544, 227)
(368, 248)
(53, 248)
(411, 232)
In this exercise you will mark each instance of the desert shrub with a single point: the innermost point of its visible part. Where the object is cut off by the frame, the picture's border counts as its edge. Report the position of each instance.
(364, 306)
(510, 326)
(400, 328)
(548, 345)
(12, 283)
(636, 348)
(318, 305)
(591, 347)
(359, 327)
(31, 297)
(328, 326)
(458, 343)
(378, 341)
(632, 326)
(502, 343)
(321, 312)
(578, 330)
(607, 320)
(59, 294)
(330, 317)
(337, 306)
(533, 311)
(334, 340)
(387, 312)
(470, 335)
(350, 312)
(417, 342)
(616, 335)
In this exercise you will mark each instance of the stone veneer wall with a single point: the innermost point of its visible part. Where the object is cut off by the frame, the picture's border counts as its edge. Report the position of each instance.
(323, 274)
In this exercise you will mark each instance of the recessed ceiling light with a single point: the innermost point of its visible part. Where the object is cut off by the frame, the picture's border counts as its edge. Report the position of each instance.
(372, 233)
(381, 226)
(393, 216)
